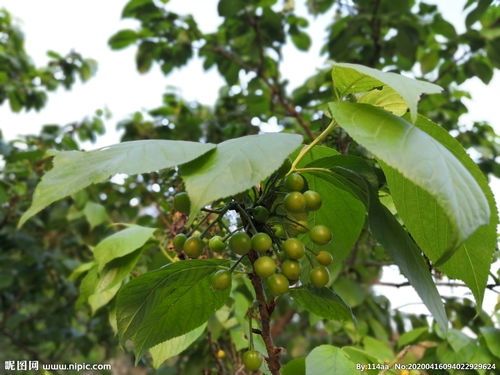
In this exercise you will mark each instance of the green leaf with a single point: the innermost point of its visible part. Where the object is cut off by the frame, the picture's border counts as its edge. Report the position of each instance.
(122, 39)
(109, 280)
(327, 359)
(121, 243)
(354, 78)
(296, 366)
(81, 269)
(235, 166)
(422, 160)
(229, 8)
(168, 302)
(301, 40)
(75, 170)
(492, 337)
(87, 286)
(174, 346)
(95, 214)
(379, 349)
(322, 302)
(477, 12)
(411, 336)
(398, 244)
(386, 98)
(427, 221)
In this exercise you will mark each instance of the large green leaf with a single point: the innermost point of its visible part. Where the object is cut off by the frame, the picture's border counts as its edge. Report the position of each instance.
(328, 359)
(398, 244)
(121, 243)
(322, 302)
(168, 302)
(427, 221)
(235, 166)
(422, 160)
(75, 170)
(174, 346)
(354, 78)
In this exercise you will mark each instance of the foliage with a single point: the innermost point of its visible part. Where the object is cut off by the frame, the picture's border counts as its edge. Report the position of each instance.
(24, 85)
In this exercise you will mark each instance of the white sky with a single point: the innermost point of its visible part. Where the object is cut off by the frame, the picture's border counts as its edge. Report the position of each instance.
(85, 26)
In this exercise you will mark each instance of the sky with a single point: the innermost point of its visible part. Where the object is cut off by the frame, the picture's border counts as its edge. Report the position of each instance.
(85, 26)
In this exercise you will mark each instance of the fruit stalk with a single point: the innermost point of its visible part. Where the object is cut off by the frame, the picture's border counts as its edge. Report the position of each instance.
(306, 149)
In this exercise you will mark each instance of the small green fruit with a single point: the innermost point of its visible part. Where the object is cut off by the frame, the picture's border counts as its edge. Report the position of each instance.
(291, 269)
(179, 241)
(240, 243)
(260, 214)
(216, 244)
(193, 247)
(264, 266)
(319, 276)
(221, 280)
(294, 182)
(261, 242)
(324, 258)
(294, 248)
(320, 234)
(252, 360)
(278, 284)
(313, 200)
(182, 203)
(295, 202)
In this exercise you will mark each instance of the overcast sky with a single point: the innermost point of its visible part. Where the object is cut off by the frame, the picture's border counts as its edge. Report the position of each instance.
(85, 26)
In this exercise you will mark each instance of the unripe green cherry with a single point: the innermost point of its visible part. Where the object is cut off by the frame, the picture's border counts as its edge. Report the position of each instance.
(261, 242)
(264, 266)
(294, 182)
(193, 246)
(294, 248)
(216, 244)
(291, 269)
(319, 276)
(313, 200)
(324, 258)
(260, 214)
(278, 284)
(252, 360)
(320, 234)
(240, 243)
(182, 202)
(295, 202)
(221, 280)
(278, 230)
(179, 241)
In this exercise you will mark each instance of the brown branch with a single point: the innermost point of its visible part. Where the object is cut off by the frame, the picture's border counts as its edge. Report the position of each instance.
(273, 358)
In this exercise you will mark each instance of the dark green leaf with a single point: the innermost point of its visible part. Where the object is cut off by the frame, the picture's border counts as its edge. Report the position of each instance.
(322, 302)
(296, 366)
(168, 302)
(122, 39)
(406, 254)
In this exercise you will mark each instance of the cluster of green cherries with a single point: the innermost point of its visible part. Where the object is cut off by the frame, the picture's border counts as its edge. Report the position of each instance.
(296, 203)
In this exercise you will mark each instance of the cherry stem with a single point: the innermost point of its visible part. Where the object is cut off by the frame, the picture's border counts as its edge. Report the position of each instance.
(305, 150)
